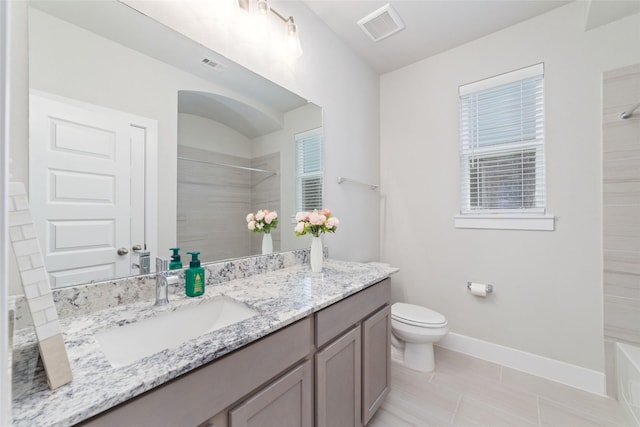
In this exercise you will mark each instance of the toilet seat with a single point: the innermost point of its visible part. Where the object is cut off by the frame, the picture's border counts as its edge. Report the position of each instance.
(416, 315)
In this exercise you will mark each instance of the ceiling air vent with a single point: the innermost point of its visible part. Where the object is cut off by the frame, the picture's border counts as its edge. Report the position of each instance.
(382, 23)
(213, 64)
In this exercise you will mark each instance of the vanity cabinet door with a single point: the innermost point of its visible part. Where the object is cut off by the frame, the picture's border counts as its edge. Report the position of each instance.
(338, 382)
(376, 361)
(285, 403)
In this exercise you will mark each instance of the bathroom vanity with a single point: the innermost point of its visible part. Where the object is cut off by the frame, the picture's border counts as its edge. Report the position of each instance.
(271, 382)
(317, 353)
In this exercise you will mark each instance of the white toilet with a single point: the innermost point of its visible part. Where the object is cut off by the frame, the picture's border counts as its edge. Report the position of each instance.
(414, 329)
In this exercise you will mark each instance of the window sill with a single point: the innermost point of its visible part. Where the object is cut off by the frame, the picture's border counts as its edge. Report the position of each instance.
(506, 222)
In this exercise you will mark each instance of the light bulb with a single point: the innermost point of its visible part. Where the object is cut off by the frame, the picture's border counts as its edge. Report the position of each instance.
(293, 39)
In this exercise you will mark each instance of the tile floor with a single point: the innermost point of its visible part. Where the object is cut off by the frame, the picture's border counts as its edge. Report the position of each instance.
(465, 391)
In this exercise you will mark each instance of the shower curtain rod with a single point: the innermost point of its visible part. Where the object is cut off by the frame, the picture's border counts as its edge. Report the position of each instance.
(626, 115)
(226, 165)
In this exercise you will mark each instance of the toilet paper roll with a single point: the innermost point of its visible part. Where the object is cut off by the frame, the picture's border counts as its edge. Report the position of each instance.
(478, 289)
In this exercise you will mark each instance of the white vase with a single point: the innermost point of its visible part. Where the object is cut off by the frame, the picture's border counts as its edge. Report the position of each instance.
(267, 244)
(317, 254)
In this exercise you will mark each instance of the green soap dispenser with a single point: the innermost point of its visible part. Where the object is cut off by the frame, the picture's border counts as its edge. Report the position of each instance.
(175, 263)
(194, 285)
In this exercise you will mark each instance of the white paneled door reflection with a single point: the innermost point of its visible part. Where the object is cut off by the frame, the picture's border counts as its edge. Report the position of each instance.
(84, 167)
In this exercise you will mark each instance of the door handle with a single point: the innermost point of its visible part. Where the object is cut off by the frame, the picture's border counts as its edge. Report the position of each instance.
(136, 248)
(123, 251)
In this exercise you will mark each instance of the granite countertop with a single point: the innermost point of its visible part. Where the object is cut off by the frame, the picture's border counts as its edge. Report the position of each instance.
(281, 297)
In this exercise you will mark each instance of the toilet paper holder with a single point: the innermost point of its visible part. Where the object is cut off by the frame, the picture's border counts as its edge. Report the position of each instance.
(489, 287)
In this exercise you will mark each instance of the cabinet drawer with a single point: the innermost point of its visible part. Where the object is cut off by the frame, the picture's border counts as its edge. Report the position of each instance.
(339, 317)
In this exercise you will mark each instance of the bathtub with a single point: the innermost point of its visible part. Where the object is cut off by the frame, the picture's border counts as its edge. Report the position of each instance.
(628, 367)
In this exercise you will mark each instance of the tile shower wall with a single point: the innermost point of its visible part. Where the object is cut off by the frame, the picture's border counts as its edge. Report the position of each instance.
(213, 202)
(621, 213)
(265, 194)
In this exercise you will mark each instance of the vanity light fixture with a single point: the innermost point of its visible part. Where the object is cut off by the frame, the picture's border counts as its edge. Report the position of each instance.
(263, 7)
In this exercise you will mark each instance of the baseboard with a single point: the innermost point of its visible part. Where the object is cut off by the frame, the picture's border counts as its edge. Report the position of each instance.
(554, 370)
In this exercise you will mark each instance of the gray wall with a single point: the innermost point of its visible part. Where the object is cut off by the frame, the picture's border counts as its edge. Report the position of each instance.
(621, 213)
(548, 284)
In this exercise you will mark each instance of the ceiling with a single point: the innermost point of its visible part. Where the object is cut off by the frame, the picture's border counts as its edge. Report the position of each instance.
(432, 26)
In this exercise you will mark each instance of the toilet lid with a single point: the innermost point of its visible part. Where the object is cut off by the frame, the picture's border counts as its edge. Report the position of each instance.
(417, 315)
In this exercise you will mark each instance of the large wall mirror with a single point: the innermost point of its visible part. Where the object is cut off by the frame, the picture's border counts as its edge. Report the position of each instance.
(140, 136)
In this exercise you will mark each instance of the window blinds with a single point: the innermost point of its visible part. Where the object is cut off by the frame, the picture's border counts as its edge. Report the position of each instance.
(309, 170)
(502, 144)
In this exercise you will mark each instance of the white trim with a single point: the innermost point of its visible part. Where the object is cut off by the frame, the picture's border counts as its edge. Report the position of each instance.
(506, 222)
(502, 79)
(551, 369)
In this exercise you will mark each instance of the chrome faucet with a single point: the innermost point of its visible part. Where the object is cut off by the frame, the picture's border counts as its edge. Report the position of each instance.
(163, 279)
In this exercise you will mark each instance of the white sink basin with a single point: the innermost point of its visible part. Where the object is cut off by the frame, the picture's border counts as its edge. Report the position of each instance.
(125, 344)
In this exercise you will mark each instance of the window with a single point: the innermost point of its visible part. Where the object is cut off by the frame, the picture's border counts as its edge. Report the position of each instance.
(502, 146)
(309, 170)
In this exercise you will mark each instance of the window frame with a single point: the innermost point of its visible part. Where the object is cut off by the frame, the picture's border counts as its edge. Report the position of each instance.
(521, 218)
(300, 176)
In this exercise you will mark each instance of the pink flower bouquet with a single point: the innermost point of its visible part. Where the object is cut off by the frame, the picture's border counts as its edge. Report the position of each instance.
(316, 223)
(262, 221)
